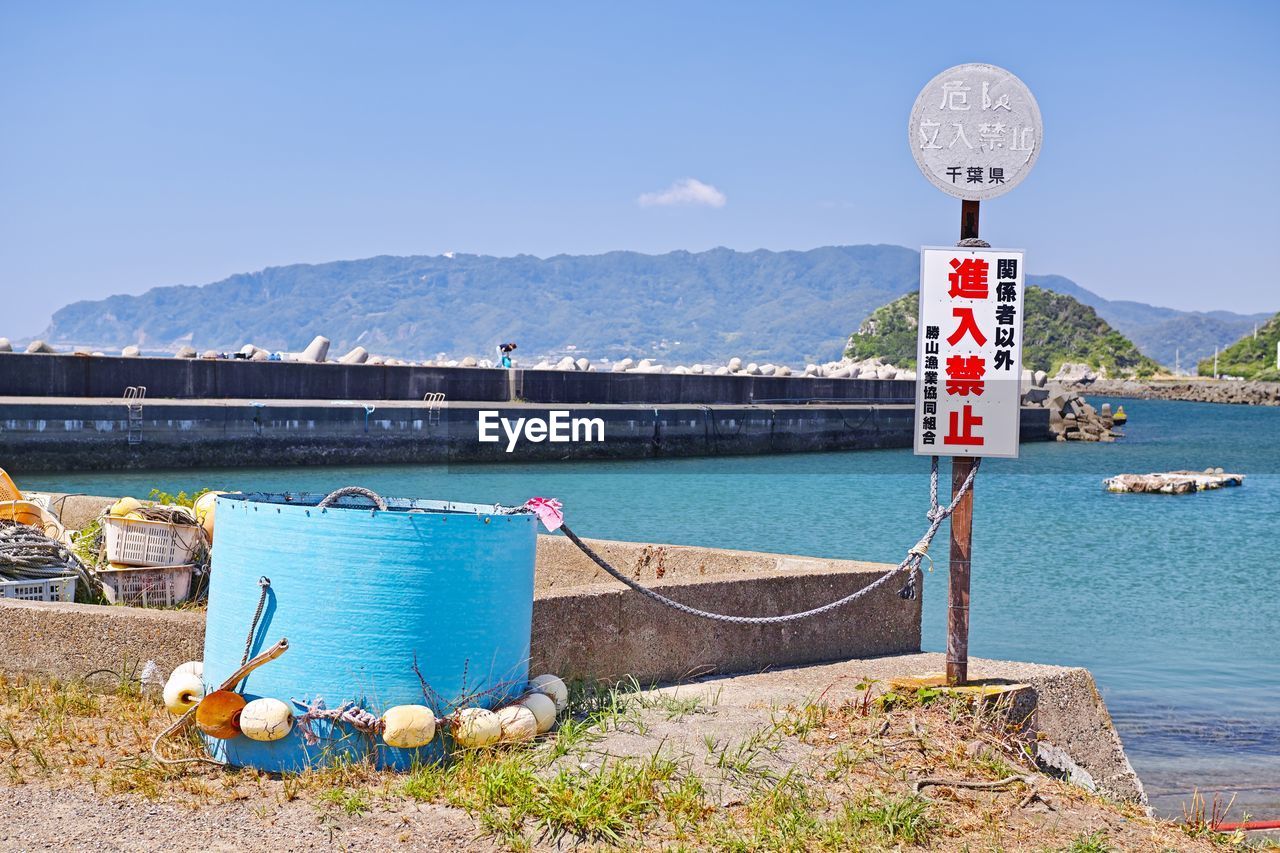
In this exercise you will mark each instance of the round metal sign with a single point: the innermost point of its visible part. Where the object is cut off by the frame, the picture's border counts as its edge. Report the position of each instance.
(975, 131)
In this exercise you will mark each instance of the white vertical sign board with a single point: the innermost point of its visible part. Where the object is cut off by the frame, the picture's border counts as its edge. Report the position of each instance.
(969, 352)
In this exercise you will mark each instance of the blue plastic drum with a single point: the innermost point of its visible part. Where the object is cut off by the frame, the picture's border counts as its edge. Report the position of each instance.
(361, 594)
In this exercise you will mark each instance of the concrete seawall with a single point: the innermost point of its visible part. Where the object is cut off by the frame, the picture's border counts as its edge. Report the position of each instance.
(199, 379)
(51, 434)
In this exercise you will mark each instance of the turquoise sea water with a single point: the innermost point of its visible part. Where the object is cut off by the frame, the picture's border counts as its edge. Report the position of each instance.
(1173, 602)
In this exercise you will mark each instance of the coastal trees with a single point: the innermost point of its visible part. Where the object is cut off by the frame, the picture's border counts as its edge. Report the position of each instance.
(1251, 357)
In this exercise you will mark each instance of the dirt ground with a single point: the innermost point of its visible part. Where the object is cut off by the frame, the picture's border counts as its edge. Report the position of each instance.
(726, 764)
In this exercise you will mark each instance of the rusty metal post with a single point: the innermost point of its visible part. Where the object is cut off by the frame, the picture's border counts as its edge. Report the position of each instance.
(961, 530)
(969, 219)
(958, 585)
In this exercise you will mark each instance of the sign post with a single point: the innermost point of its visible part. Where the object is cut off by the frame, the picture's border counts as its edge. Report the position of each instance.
(975, 132)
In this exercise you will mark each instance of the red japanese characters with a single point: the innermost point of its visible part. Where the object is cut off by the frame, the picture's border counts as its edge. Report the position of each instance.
(969, 356)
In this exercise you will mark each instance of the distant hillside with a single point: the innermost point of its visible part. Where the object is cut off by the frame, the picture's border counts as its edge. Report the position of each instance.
(1165, 334)
(1058, 329)
(788, 307)
(1251, 357)
(762, 306)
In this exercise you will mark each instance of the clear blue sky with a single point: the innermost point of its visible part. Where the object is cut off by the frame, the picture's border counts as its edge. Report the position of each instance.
(177, 143)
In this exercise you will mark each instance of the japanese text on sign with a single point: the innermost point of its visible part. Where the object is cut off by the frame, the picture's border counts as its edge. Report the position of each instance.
(969, 352)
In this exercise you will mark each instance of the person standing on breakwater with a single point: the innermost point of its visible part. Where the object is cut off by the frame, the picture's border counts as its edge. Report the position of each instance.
(506, 350)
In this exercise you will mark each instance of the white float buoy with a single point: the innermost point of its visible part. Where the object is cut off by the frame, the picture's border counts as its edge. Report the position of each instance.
(182, 692)
(543, 708)
(266, 719)
(518, 723)
(553, 687)
(205, 509)
(476, 727)
(124, 506)
(195, 667)
(408, 726)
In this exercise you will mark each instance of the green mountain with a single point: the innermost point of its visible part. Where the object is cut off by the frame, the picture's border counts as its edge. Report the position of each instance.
(1058, 328)
(788, 307)
(1253, 356)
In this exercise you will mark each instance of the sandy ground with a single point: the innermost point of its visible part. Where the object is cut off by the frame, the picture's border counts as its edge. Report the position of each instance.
(80, 818)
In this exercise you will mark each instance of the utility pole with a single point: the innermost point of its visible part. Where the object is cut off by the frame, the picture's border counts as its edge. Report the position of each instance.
(1177, 361)
(1215, 362)
(961, 528)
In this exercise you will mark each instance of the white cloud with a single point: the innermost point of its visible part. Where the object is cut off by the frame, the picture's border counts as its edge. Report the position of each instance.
(684, 191)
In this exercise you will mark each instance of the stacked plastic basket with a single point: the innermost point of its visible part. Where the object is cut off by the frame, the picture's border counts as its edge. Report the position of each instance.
(152, 561)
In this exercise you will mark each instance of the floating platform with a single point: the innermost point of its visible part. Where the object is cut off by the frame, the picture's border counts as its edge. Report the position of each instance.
(1173, 482)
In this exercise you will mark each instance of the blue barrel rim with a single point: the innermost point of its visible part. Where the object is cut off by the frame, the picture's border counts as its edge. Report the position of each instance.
(311, 500)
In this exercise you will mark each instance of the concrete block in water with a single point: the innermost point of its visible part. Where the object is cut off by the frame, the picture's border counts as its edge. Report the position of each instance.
(1035, 396)
(1173, 482)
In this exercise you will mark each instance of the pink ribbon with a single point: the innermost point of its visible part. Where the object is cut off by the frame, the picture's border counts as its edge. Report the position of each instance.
(548, 511)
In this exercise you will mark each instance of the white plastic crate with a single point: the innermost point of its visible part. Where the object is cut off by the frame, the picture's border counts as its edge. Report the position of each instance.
(50, 589)
(147, 586)
(137, 542)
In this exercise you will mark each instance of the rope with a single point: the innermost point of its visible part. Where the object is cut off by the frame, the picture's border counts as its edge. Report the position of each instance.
(28, 554)
(348, 712)
(998, 785)
(265, 583)
(360, 491)
(911, 564)
(171, 515)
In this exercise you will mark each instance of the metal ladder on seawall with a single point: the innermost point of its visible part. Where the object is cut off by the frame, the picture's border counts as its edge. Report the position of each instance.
(133, 397)
(434, 401)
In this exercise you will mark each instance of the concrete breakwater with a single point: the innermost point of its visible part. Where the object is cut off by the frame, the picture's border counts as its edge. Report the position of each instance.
(24, 375)
(1196, 391)
(47, 434)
